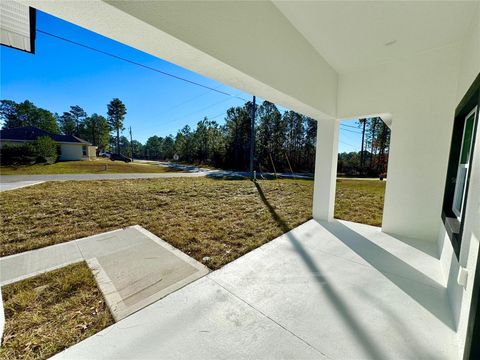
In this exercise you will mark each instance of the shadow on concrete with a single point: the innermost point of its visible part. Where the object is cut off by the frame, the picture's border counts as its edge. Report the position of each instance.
(402, 329)
(373, 351)
(411, 280)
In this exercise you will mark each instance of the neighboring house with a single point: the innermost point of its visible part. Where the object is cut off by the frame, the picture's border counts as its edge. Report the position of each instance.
(69, 147)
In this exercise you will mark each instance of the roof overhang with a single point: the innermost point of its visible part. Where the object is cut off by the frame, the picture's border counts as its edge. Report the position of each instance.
(245, 44)
(17, 26)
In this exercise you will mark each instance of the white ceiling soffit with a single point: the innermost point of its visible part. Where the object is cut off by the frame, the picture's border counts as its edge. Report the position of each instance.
(17, 26)
(359, 34)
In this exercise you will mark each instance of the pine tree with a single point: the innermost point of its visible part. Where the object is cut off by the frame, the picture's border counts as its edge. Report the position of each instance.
(116, 114)
(67, 123)
(78, 115)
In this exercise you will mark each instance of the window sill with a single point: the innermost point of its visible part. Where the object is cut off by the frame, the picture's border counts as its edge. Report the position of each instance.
(453, 227)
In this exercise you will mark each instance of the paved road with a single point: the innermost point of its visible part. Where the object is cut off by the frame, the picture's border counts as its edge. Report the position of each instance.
(11, 182)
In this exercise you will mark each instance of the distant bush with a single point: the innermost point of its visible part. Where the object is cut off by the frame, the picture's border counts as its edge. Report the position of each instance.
(46, 150)
(43, 150)
(24, 154)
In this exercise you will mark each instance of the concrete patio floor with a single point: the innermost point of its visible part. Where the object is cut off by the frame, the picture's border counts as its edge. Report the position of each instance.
(335, 290)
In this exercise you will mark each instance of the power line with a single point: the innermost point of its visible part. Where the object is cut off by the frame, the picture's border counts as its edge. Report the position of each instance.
(356, 132)
(216, 116)
(195, 112)
(138, 64)
(351, 126)
(185, 102)
(344, 143)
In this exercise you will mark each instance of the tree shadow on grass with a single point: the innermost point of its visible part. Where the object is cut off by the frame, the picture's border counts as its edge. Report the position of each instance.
(277, 218)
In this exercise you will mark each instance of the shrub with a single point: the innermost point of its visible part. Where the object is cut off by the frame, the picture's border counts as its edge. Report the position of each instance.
(42, 150)
(24, 154)
(46, 149)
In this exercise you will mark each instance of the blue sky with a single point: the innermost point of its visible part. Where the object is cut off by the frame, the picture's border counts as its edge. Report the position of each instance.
(61, 74)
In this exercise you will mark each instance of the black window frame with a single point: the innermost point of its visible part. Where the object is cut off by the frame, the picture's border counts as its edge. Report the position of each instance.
(454, 226)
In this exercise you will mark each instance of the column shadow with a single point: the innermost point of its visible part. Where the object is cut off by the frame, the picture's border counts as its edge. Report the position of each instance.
(374, 351)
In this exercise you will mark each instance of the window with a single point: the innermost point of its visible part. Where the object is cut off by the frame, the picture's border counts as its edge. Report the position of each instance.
(463, 164)
(84, 150)
(462, 147)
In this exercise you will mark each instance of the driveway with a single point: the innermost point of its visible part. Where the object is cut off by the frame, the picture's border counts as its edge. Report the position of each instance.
(336, 290)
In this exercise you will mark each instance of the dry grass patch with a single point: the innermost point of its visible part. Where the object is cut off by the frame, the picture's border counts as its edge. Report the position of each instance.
(360, 201)
(221, 219)
(50, 312)
(85, 167)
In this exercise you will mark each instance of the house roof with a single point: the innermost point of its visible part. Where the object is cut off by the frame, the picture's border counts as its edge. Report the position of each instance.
(32, 133)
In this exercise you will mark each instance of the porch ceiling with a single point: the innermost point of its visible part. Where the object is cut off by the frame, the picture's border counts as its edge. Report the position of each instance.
(248, 45)
(288, 52)
(359, 34)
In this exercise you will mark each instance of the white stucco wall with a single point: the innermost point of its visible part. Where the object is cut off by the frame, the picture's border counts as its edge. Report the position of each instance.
(71, 152)
(460, 297)
(420, 94)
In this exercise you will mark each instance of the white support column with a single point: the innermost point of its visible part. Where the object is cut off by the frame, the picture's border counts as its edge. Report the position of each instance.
(325, 169)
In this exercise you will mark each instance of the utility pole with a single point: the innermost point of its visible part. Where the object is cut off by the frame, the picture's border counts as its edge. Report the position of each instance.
(131, 144)
(363, 142)
(252, 140)
(373, 128)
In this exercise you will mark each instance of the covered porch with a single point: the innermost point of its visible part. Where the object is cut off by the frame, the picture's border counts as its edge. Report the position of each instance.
(329, 288)
(333, 290)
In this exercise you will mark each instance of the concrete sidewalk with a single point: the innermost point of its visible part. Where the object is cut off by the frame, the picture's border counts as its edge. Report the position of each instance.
(335, 290)
(6, 186)
(4, 179)
(132, 267)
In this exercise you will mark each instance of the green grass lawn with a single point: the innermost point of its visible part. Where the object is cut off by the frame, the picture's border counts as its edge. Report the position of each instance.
(50, 312)
(99, 166)
(221, 219)
(360, 201)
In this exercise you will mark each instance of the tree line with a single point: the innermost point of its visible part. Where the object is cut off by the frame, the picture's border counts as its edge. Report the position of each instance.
(372, 159)
(284, 142)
